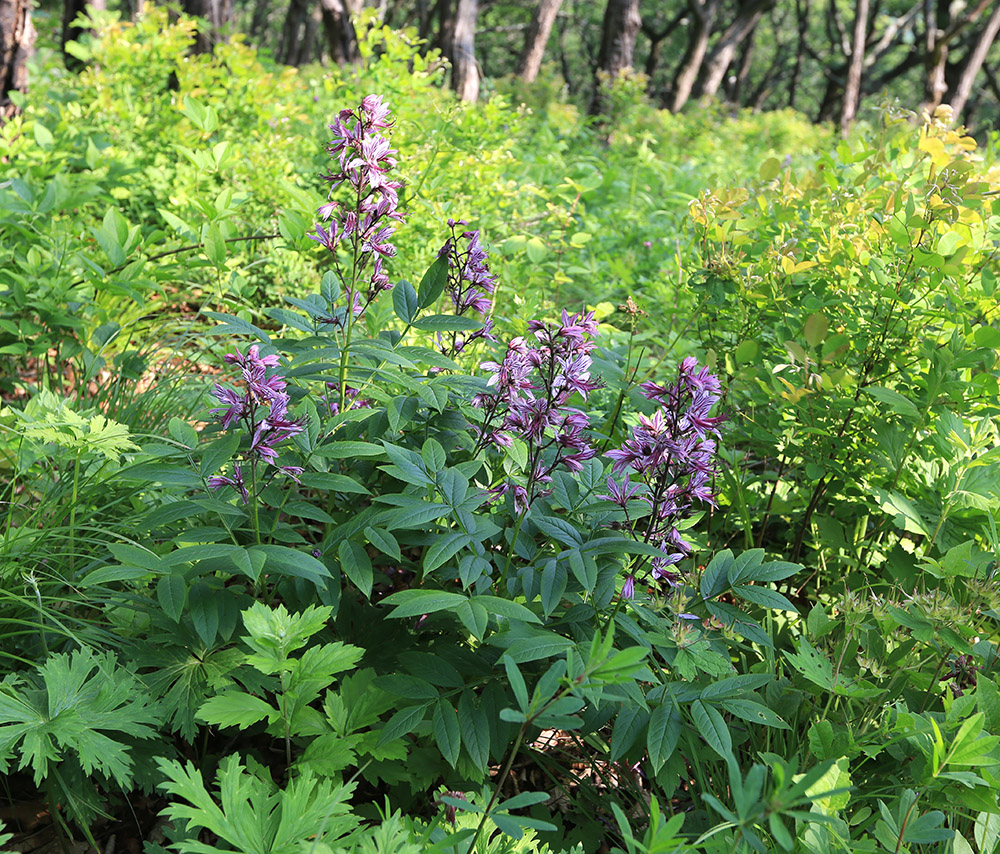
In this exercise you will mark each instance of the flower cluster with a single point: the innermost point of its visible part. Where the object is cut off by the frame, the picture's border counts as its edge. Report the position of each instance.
(532, 386)
(365, 161)
(262, 410)
(672, 453)
(471, 285)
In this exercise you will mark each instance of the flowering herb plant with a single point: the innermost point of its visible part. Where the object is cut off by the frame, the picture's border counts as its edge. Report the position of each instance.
(441, 500)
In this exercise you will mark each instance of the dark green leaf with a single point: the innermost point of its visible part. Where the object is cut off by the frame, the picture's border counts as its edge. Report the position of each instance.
(171, 592)
(712, 728)
(433, 283)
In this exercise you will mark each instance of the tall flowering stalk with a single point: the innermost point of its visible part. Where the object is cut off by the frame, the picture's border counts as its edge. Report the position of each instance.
(669, 465)
(363, 225)
(471, 285)
(533, 385)
(261, 410)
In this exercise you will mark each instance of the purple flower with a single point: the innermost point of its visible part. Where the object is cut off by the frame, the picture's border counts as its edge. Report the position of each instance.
(672, 453)
(620, 493)
(470, 283)
(470, 286)
(262, 410)
(366, 159)
(531, 390)
(234, 409)
(236, 482)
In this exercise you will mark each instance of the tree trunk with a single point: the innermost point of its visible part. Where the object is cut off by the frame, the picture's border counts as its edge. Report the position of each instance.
(852, 85)
(618, 34)
(935, 58)
(216, 14)
(341, 37)
(802, 19)
(940, 30)
(464, 72)
(289, 51)
(444, 38)
(975, 62)
(258, 20)
(718, 61)
(734, 91)
(72, 33)
(536, 39)
(656, 38)
(17, 43)
(703, 14)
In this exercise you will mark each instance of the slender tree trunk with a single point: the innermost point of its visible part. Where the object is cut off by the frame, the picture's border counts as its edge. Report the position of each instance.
(703, 14)
(722, 55)
(536, 39)
(258, 20)
(734, 93)
(656, 38)
(464, 72)
(564, 66)
(444, 39)
(313, 50)
(802, 21)
(72, 33)
(17, 43)
(935, 58)
(341, 37)
(618, 34)
(217, 15)
(852, 86)
(975, 62)
(765, 87)
(289, 51)
(941, 29)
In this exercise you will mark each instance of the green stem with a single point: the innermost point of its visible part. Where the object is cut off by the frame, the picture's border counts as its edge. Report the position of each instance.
(254, 500)
(496, 792)
(510, 554)
(72, 516)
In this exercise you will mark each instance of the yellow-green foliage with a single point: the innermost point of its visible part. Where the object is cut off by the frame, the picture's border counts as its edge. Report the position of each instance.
(853, 306)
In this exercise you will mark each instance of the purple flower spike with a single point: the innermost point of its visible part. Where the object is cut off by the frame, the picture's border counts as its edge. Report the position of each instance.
(531, 389)
(262, 411)
(672, 455)
(366, 159)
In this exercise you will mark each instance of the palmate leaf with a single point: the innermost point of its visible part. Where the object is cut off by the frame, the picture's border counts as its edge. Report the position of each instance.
(185, 677)
(256, 817)
(77, 706)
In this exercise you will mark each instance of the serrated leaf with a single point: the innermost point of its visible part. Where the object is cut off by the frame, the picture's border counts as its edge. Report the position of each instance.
(764, 597)
(407, 687)
(171, 593)
(203, 607)
(416, 603)
(506, 608)
(357, 566)
(664, 731)
(443, 549)
(475, 730)
(712, 728)
(235, 708)
(446, 323)
(446, 731)
(403, 722)
(629, 724)
(754, 712)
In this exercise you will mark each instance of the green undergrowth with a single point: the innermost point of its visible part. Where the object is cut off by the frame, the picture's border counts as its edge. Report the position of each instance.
(662, 521)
